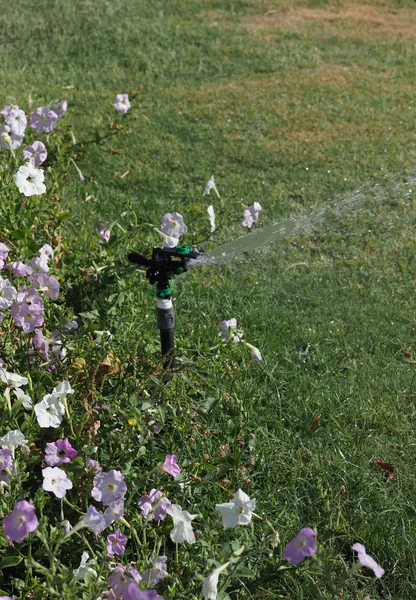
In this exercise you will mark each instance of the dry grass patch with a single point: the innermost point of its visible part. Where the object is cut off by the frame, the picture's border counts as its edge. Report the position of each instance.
(355, 20)
(348, 20)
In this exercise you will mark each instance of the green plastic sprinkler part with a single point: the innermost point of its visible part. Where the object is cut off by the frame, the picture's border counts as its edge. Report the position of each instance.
(183, 250)
(165, 293)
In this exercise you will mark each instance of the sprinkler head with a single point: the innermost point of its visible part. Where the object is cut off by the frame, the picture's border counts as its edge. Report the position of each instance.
(164, 264)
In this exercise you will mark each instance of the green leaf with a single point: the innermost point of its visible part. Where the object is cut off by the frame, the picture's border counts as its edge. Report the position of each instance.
(10, 561)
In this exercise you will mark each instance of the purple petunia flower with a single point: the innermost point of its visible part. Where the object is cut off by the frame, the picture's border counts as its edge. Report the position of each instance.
(171, 466)
(21, 521)
(49, 284)
(59, 452)
(302, 546)
(38, 265)
(93, 466)
(124, 583)
(60, 108)
(26, 316)
(114, 511)
(109, 487)
(94, 519)
(155, 504)
(6, 464)
(43, 119)
(251, 215)
(6, 460)
(19, 269)
(41, 344)
(36, 153)
(4, 251)
(122, 103)
(367, 561)
(116, 543)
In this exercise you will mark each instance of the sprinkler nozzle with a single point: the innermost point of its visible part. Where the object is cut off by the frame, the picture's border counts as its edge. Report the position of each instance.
(165, 263)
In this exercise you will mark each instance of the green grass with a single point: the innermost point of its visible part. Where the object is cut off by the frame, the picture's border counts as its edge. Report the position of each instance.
(289, 116)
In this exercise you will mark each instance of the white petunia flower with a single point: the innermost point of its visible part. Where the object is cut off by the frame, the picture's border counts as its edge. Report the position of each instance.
(12, 439)
(211, 214)
(182, 528)
(56, 480)
(210, 186)
(8, 293)
(16, 120)
(210, 585)
(237, 512)
(12, 379)
(30, 180)
(84, 571)
(50, 411)
(255, 352)
(63, 389)
(25, 399)
(173, 225)
(9, 139)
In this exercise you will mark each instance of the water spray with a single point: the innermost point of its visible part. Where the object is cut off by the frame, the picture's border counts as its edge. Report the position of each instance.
(164, 264)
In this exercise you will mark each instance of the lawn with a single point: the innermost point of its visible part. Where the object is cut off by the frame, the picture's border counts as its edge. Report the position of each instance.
(293, 105)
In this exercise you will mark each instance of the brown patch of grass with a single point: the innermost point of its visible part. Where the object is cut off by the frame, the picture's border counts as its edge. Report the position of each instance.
(344, 20)
(348, 20)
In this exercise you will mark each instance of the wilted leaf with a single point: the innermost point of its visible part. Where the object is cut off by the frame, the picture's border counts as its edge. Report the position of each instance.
(385, 466)
(111, 365)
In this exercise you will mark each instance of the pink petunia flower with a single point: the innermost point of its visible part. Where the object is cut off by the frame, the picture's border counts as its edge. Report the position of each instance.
(367, 561)
(103, 232)
(121, 103)
(302, 546)
(21, 521)
(171, 466)
(36, 153)
(59, 452)
(43, 120)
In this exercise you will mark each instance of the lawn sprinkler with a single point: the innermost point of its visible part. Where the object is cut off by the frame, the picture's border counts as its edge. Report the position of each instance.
(164, 264)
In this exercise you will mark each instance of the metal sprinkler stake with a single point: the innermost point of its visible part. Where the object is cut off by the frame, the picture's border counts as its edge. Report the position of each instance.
(164, 264)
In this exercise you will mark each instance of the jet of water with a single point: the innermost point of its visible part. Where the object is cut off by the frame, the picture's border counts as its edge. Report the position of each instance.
(391, 187)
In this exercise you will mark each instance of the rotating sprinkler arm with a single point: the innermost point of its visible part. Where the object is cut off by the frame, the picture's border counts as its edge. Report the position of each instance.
(164, 264)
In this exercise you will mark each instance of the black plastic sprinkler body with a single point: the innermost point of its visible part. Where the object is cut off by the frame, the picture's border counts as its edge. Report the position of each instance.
(164, 264)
